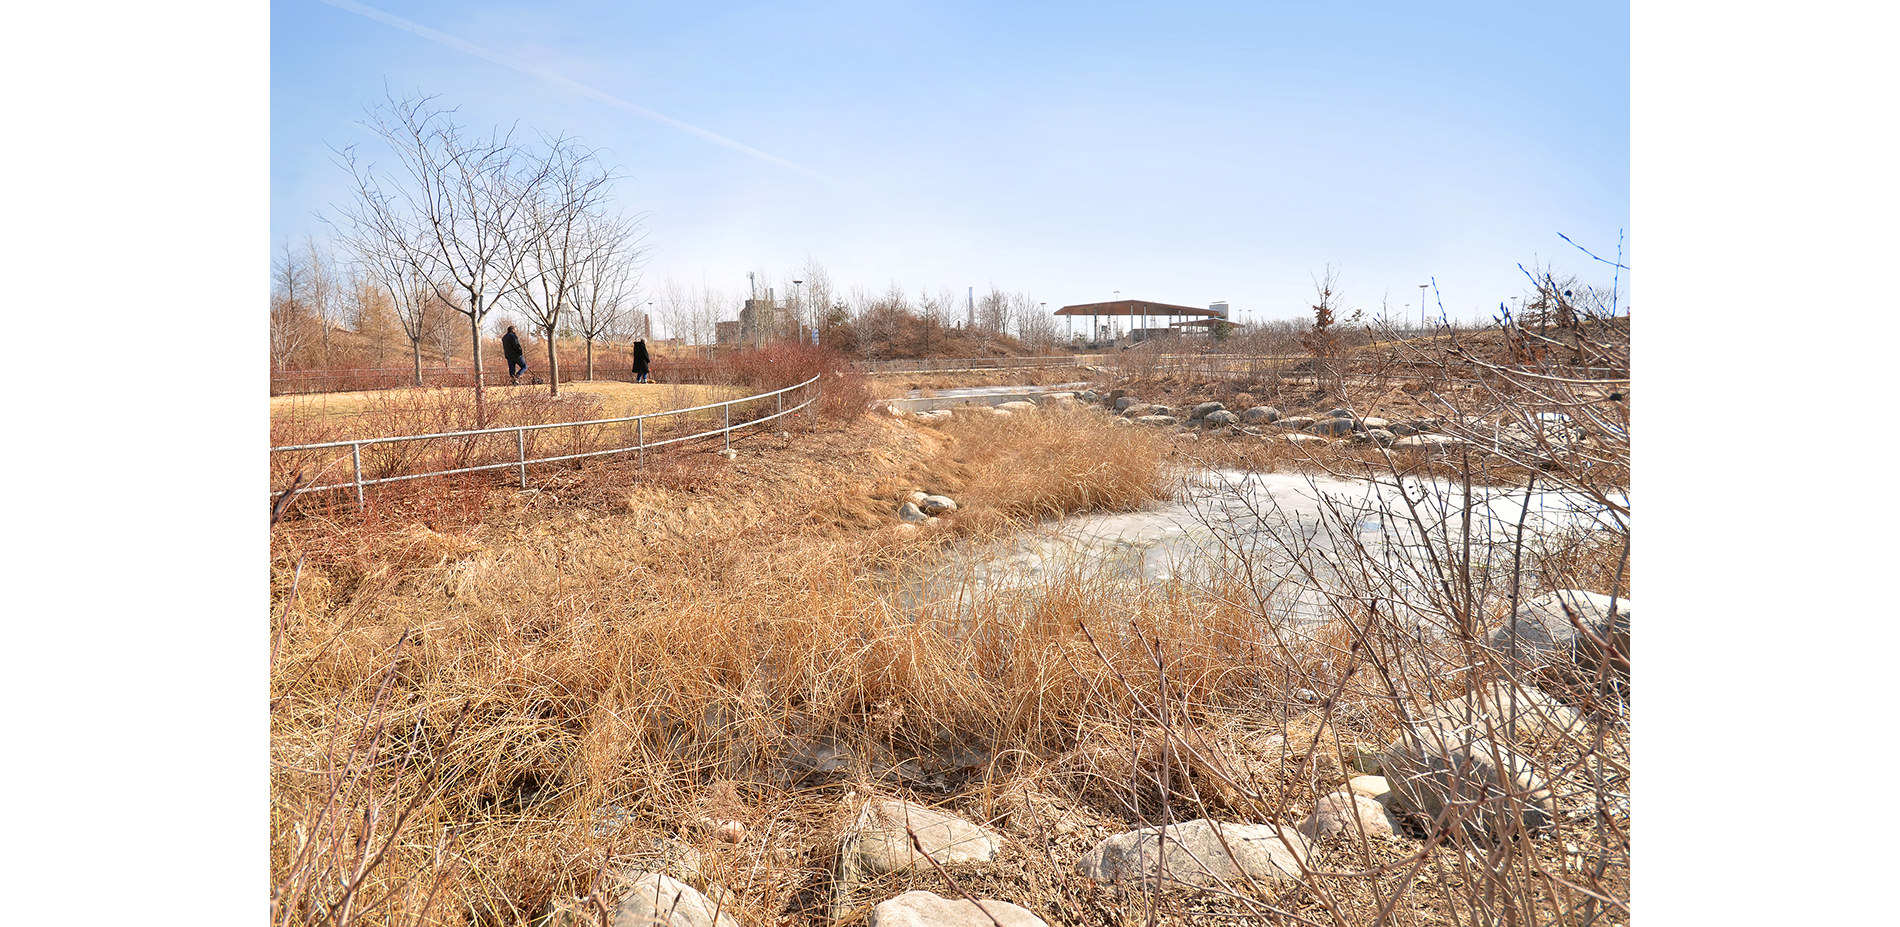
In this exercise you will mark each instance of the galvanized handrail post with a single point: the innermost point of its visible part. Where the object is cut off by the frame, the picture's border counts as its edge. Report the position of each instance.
(356, 461)
(728, 408)
(640, 432)
(521, 454)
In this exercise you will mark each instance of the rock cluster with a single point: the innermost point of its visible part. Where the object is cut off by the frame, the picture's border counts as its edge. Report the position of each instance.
(1269, 423)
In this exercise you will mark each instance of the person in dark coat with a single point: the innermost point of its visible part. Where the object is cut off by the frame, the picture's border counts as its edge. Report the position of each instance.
(642, 363)
(511, 348)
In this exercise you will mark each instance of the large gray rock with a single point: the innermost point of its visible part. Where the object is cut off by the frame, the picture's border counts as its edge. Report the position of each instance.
(1371, 421)
(880, 841)
(1345, 811)
(911, 513)
(1542, 639)
(1156, 420)
(1296, 438)
(1428, 442)
(1457, 776)
(928, 909)
(1199, 852)
(1516, 713)
(1201, 410)
(1295, 422)
(1123, 402)
(1331, 426)
(1261, 415)
(656, 900)
(937, 505)
(1136, 409)
(1379, 436)
(1339, 413)
(1219, 417)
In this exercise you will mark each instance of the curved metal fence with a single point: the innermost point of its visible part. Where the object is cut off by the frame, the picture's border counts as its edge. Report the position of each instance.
(396, 459)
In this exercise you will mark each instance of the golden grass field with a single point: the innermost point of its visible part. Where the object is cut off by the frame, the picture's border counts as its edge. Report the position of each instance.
(600, 398)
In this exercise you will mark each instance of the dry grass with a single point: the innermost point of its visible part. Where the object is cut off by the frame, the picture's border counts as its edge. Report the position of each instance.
(366, 414)
(515, 695)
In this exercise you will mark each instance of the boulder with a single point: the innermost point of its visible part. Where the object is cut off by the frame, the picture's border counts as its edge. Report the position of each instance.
(1017, 405)
(1219, 417)
(1114, 421)
(1297, 438)
(1061, 399)
(1543, 640)
(1122, 400)
(656, 900)
(1427, 442)
(1373, 787)
(1345, 811)
(1339, 413)
(1136, 409)
(1516, 713)
(929, 909)
(1295, 422)
(1261, 415)
(1201, 410)
(1331, 426)
(1370, 422)
(911, 513)
(1449, 772)
(1199, 853)
(1403, 429)
(1089, 395)
(1156, 420)
(1379, 436)
(880, 841)
(937, 505)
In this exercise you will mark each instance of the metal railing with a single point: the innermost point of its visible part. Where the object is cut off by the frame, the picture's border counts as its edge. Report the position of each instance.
(804, 394)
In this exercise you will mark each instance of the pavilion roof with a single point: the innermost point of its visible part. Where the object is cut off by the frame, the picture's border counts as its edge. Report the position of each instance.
(1133, 307)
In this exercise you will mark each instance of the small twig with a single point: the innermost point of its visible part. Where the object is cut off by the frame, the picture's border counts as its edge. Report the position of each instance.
(919, 847)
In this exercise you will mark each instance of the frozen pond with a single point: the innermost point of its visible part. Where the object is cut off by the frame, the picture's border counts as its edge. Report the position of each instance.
(1290, 533)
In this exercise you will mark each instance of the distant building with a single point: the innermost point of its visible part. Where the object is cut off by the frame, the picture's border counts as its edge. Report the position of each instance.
(759, 322)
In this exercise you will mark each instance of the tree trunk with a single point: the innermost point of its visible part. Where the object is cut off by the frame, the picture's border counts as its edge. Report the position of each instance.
(475, 339)
(554, 367)
(417, 345)
(590, 360)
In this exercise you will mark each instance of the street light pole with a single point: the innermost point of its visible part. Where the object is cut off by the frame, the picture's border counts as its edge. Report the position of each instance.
(1421, 304)
(798, 305)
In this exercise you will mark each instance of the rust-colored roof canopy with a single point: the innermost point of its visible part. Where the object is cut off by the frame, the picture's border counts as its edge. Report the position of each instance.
(1133, 307)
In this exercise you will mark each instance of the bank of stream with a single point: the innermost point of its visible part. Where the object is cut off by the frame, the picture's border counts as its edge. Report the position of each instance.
(1297, 538)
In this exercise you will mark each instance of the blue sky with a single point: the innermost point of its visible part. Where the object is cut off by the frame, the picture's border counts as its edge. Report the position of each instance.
(1186, 154)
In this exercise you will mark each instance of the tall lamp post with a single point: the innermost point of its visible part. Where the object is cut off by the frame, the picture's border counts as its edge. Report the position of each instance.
(1421, 304)
(798, 305)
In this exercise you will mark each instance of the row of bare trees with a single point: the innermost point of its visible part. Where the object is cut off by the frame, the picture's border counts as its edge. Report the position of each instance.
(469, 222)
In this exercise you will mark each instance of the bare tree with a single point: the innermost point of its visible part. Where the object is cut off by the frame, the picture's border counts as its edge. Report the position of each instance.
(290, 320)
(390, 265)
(606, 283)
(676, 309)
(323, 292)
(451, 208)
(566, 189)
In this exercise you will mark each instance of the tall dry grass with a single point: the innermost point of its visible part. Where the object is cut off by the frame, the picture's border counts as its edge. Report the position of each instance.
(478, 718)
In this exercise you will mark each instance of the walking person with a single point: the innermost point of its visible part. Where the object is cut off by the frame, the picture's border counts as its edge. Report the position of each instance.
(511, 348)
(642, 363)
